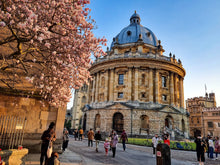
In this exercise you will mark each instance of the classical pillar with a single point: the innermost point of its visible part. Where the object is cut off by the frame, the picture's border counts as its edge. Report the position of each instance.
(151, 86)
(111, 85)
(93, 88)
(157, 99)
(106, 85)
(129, 86)
(171, 89)
(136, 84)
(97, 87)
(181, 93)
(175, 89)
(89, 91)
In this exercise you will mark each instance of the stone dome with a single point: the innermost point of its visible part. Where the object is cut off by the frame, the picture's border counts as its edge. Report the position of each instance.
(135, 32)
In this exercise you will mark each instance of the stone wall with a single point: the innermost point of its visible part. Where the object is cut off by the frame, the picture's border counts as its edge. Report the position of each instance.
(132, 120)
(38, 114)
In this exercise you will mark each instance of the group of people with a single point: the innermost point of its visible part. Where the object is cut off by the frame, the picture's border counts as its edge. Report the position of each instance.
(209, 145)
(110, 142)
(78, 134)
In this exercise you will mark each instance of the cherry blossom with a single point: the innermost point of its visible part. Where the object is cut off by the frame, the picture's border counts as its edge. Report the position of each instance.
(47, 43)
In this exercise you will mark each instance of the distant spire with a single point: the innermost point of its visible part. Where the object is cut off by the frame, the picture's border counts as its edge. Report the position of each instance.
(135, 11)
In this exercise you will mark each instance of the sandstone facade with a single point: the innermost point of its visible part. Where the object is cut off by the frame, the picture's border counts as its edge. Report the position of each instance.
(195, 107)
(38, 114)
(211, 121)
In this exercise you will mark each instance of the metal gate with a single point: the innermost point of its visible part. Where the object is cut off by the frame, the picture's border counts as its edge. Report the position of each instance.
(11, 131)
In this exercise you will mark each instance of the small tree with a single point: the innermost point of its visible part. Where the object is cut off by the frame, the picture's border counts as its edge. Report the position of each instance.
(48, 44)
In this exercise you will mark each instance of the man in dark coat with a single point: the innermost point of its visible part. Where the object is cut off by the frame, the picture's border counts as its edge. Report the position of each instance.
(47, 136)
(98, 137)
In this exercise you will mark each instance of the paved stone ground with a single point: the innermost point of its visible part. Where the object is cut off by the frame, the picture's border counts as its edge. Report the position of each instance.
(78, 153)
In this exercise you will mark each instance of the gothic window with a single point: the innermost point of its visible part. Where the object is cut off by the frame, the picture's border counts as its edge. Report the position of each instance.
(97, 121)
(103, 82)
(121, 79)
(218, 124)
(164, 81)
(197, 120)
(164, 97)
(144, 122)
(120, 94)
(143, 79)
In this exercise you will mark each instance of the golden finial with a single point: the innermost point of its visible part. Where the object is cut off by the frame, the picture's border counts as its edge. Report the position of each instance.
(135, 11)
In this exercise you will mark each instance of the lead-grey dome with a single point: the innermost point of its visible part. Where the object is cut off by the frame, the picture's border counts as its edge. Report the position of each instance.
(135, 31)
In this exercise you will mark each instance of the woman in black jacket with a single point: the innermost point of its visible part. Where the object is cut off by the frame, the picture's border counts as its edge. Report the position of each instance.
(200, 150)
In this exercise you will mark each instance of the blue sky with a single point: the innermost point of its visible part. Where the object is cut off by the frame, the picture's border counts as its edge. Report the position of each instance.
(190, 29)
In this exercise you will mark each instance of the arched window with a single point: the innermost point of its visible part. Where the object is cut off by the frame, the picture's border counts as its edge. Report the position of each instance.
(97, 122)
(118, 122)
(169, 122)
(84, 122)
(183, 125)
(144, 122)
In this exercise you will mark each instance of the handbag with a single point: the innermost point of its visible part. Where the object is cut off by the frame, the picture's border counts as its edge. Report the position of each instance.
(49, 149)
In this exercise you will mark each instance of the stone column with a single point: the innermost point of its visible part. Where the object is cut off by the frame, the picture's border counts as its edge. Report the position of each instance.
(136, 84)
(97, 87)
(157, 99)
(181, 93)
(171, 89)
(129, 86)
(111, 85)
(93, 88)
(175, 89)
(89, 91)
(151, 86)
(106, 85)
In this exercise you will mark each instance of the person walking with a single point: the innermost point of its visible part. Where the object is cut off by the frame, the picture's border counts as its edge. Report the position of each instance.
(217, 147)
(124, 138)
(81, 134)
(65, 139)
(200, 150)
(90, 137)
(48, 136)
(106, 146)
(114, 143)
(76, 134)
(211, 147)
(110, 138)
(207, 144)
(155, 140)
(98, 137)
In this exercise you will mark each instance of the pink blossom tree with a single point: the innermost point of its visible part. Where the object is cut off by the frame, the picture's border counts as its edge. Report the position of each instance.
(48, 44)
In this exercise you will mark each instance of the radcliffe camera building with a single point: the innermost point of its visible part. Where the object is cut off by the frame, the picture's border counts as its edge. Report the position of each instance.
(136, 87)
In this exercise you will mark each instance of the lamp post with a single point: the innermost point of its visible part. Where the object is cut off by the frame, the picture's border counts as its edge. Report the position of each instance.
(203, 124)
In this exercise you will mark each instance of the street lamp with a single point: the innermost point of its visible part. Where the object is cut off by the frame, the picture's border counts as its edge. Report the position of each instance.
(203, 124)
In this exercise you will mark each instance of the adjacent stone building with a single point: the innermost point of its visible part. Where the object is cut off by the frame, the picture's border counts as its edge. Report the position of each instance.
(136, 87)
(80, 99)
(195, 107)
(211, 118)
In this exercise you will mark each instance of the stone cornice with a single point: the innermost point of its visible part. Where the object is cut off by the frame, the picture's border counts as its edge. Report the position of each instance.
(139, 62)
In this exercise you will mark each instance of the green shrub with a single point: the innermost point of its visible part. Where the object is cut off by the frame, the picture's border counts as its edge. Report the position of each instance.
(180, 145)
